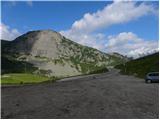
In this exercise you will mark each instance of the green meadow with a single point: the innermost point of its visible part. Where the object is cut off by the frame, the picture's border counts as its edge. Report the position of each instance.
(22, 78)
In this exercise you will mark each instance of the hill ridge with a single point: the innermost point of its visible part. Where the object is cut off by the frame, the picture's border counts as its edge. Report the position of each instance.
(56, 55)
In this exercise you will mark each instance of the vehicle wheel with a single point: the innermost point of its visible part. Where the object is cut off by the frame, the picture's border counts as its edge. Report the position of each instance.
(149, 81)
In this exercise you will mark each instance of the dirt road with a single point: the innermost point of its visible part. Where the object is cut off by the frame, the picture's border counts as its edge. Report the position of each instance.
(107, 95)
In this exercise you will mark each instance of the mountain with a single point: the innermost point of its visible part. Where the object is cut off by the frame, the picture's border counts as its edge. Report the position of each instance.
(49, 53)
(141, 66)
(119, 55)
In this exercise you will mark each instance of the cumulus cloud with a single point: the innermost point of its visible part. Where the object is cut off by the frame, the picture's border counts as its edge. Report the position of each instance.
(115, 13)
(84, 30)
(88, 39)
(128, 43)
(7, 33)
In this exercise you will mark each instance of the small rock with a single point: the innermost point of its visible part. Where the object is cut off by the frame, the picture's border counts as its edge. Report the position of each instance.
(17, 104)
(102, 108)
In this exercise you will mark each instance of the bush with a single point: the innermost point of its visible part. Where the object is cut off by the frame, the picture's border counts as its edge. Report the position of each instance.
(21, 82)
(102, 70)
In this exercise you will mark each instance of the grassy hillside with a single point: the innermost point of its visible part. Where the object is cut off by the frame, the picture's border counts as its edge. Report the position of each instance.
(140, 67)
(14, 66)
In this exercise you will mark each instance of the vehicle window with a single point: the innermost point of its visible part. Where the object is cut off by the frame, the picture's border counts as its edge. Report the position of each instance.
(154, 74)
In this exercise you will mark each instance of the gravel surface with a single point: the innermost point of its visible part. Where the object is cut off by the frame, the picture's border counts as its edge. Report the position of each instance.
(107, 95)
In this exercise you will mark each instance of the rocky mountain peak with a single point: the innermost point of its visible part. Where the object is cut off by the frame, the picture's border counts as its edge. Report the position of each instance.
(37, 34)
(44, 42)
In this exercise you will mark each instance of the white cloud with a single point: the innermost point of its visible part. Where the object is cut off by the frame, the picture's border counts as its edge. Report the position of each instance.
(14, 2)
(30, 3)
(123, 38)
(92, 40)
(115, 13)
(128, 43)
(84, 30)
(7, 33)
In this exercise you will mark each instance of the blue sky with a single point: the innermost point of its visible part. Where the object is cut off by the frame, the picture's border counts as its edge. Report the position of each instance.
(140, 23)
(46, 15)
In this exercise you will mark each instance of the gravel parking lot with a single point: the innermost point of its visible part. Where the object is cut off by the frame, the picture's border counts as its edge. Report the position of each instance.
(107, 95)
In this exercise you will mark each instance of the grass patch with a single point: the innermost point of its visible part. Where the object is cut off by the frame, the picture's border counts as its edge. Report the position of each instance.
(22, 78)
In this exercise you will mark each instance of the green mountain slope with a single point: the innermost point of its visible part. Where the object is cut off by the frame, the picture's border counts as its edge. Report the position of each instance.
(49, 53)
(140, 67)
